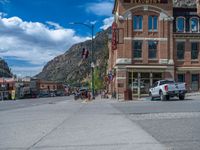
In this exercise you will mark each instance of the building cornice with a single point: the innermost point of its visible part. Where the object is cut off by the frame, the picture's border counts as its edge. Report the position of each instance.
(145, 39)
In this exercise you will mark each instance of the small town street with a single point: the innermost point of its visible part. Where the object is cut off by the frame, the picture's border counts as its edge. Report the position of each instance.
(60, 123)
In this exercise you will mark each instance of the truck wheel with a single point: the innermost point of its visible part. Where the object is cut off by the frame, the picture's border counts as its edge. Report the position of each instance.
(182, 97)
(167, 97)
(162, 97)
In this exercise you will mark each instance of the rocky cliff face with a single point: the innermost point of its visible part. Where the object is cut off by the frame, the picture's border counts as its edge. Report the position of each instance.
(4, 69)
(68, 67)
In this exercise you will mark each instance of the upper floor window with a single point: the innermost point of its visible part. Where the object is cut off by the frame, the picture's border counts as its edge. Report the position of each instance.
(180, 50)
(194, 24)
(137, 22)
(152, 46)
(194, 50)
(180, 24)
(137, 49)
(153, 23)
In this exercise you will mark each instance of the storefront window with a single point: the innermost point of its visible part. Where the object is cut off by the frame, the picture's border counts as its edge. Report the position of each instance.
(153, 23)
(156, 77)
(180, 24)
(152, 45)
(181, 77)
(194, 24)
(137, 22)
(137, 49)
(146, 80)
(194, 50)
(180, 50)
(195, 82)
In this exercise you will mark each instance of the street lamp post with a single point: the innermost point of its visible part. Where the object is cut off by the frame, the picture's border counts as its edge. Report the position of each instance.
(91, 27)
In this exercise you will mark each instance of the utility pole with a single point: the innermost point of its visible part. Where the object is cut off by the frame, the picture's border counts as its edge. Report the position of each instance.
(91, 27)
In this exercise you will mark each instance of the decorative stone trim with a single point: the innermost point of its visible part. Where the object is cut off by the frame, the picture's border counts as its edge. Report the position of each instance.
(145, 39)
(123, 61)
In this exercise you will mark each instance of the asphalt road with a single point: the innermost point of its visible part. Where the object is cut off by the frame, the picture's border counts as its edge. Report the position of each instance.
(61, 123)
(23, 103)
(175, 123)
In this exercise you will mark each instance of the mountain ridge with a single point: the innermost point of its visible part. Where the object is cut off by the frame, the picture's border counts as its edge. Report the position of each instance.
(5, 71)
(67, 67)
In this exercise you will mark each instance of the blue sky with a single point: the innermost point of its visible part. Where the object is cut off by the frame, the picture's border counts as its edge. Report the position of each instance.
(32, 32)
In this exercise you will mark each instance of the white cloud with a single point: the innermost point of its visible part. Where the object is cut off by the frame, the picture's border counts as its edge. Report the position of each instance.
(34, 42)
(100, 8)
(4, 1)
(56, 25)
(107, 23)
(2, 14)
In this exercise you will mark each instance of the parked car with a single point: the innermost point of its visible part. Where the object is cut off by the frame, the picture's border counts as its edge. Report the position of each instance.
(43, 94)
(82, 93)
(166, 89)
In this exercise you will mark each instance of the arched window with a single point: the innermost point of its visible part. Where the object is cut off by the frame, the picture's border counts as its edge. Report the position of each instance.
(194, 24)
(137, 23)
(180, 24)
(153, 23)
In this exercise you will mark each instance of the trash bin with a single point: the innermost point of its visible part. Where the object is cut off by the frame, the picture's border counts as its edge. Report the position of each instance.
(127, 94)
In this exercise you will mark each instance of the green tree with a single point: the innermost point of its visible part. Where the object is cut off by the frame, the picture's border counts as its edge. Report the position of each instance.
(98, 81)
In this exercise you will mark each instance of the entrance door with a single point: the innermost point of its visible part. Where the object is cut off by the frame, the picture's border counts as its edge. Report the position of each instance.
(195, 82)
(140, 82)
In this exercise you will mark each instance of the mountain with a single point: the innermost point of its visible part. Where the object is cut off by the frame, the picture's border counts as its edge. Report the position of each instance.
(68, 67)
(4, 69)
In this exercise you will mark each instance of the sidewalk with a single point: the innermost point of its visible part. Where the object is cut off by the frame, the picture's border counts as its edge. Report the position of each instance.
(193, 94)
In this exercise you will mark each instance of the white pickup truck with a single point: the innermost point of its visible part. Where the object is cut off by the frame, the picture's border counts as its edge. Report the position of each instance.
(166, 89)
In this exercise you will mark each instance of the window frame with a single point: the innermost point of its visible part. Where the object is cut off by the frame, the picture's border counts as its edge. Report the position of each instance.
(178, 50)
(184, 24)
(138, 23)
(156, 50)
(192, 81)
(197, 51)
(153, 23)
(197, 24)
(134, 50)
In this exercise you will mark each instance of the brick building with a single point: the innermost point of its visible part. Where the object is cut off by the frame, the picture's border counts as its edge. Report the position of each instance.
(153, 40)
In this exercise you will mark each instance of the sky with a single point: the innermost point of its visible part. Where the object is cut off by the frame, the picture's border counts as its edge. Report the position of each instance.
(33, 32)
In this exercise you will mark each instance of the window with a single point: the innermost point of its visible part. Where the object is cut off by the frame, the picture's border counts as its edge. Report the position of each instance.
(137, 49)
(194, 25)
(152, 45)
(181, 77)
(194, 50)
(153, 23)
(195, 82)
(180, 50)
(180, 24)
(127, 1)
(137, 22)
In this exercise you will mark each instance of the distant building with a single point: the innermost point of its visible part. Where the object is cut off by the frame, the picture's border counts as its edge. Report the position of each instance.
(153, 40)
(7, 85)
